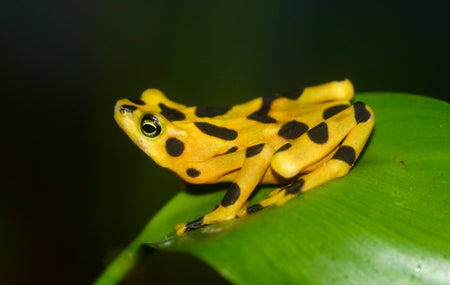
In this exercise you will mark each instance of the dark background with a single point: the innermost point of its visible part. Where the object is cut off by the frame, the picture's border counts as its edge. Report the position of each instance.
(75, 190)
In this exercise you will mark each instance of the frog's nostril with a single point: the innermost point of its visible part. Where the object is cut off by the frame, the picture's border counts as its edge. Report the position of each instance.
(127, 109)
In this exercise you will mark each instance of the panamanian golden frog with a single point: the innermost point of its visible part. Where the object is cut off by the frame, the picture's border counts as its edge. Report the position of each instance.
(297, 140)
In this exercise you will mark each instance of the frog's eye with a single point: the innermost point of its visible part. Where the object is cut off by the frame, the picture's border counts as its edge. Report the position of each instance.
(150, 126)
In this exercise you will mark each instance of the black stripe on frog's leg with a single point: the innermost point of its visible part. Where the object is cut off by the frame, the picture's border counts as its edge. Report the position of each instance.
(171, 114)
(232, 195)
(254, 150)
(319, 134)
(345, 153)
(195, 224)
(137, 101)
(127, 109)
(292, 130)
(174, 147)
(215, 131)
(210, 112)
(284, 147)
(295, 188)
(361, 113)
(262, 115)
(232, 149)
(192, 172)
(254, 208)
(330, 112)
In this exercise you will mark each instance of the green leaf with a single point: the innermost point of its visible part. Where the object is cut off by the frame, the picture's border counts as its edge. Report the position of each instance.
(386, 222)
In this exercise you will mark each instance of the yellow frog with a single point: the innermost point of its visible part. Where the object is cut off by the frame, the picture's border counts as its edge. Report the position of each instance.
(297, 140)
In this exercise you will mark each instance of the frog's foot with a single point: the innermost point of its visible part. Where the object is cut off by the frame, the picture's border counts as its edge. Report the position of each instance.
(180, 229)
(220, 214)
(277, 197)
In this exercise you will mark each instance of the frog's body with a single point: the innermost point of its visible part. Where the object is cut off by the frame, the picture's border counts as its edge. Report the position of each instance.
(298, 141)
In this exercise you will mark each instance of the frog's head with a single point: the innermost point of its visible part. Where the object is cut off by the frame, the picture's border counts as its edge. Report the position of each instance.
(148, 122)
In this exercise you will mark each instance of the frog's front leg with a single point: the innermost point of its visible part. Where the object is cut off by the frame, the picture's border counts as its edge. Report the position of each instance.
(257, 160)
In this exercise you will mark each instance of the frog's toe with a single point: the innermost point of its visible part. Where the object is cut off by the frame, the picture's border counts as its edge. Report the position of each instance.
(186, 227)
(180, 229)
(250, 209)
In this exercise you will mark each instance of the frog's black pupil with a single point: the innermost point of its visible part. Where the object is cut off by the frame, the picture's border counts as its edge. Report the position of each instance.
(150, 126)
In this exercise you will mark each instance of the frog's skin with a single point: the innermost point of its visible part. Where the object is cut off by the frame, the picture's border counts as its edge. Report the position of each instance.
(297, 140)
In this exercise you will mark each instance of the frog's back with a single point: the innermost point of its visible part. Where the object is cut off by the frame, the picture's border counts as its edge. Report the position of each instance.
(300, 103)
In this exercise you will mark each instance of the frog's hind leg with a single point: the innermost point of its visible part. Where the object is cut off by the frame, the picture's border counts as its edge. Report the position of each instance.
(334, 168)
(341, 161)
(277, 197)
